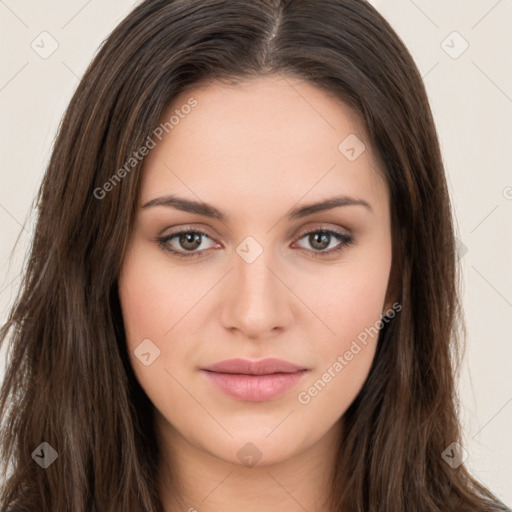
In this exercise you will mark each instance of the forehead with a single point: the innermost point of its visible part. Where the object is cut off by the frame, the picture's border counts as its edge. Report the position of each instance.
(273, 137)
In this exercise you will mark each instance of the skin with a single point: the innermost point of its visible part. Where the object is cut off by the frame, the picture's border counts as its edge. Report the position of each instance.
(255, 151)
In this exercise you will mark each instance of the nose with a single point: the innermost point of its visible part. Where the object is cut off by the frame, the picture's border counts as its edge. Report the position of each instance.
(258, 303)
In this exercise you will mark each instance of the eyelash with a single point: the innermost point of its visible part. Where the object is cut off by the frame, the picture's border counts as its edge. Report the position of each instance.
(345, 241)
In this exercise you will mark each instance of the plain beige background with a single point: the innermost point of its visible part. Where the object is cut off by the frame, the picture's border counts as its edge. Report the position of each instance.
(463, 50)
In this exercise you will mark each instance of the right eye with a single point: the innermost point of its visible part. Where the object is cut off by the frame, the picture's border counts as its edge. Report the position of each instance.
(188, 241)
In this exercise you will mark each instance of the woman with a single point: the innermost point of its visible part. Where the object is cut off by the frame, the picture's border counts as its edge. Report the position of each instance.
(242, 288)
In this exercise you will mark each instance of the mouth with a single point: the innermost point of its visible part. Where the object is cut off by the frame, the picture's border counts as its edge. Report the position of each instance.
(254, 381)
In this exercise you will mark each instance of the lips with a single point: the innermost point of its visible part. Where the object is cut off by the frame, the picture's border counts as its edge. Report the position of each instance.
(254, 381)
(263, 367)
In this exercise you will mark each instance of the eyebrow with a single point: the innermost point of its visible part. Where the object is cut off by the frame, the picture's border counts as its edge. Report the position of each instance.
(207, 210)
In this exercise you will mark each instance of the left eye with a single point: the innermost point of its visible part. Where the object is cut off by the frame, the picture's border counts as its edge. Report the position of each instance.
(190, 242)
(321, 239)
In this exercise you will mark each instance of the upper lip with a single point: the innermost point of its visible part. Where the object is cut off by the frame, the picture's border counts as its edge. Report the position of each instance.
(246, 366)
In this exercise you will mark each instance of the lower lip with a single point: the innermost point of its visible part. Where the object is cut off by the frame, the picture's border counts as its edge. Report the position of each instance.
(255, 388)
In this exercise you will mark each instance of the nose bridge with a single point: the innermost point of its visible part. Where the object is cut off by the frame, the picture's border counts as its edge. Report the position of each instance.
(258, 301)
(254, 280)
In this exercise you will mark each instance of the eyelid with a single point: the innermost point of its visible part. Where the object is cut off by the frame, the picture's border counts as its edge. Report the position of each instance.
(323, 227)
(174, 230)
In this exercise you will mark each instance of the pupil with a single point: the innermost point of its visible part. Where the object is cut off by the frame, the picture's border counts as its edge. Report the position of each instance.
(320, 238)
(194, 239)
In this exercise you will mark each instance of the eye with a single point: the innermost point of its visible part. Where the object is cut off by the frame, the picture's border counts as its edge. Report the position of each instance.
(187, 241)
(322, 239)
(190, 243)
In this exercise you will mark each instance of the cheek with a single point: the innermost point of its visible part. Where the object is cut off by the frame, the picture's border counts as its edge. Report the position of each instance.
(149, 297)
(147, 304)
(344, 359)
(350, 304)
(348, 297)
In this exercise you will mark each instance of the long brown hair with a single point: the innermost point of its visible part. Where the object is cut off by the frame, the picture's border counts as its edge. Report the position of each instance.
(68, 379)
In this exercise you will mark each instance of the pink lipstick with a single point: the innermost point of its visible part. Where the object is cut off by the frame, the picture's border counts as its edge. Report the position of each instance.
(254, 381)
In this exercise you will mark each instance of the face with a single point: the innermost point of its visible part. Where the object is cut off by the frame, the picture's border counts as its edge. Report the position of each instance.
(256, 274)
